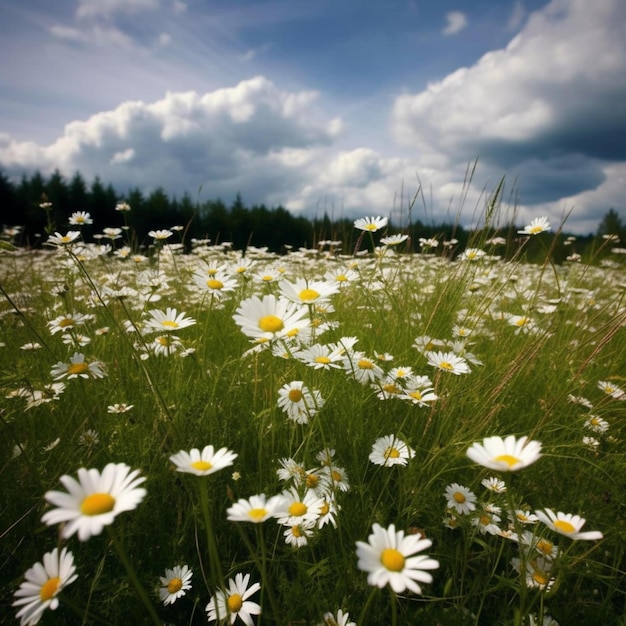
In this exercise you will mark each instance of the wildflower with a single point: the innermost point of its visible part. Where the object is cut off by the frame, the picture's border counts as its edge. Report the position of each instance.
(167, 321)
(295, 509)
(336, 477)
(537, 572)
(320, 356)
(389, 450)
(393, 240)
(337, 619)
(371, 224)
(123, 207)
(65, 323)
(160, 235)
(256, 509)
(522, 322)
(568, 525)
(80, 218)
(203, 463)
(166, 345)
(77, 368)
(421, 397)
(122, 407)
(494, 484)
(308, 292)
(506, 455)
(299, 402)
(34, 345)
(597, 424)
(175, 583)
(291, 470)
(269, 318)
(362, 368)
(460, 498)
(94, 500)
(388, 559)
(524, 517)
(536, 226)
(472, 254)
(43, 583)
(63, 240)
(448, 362)
(487, 522)
(612, 390)
(89, 438)
(217, 284)
(233, 603)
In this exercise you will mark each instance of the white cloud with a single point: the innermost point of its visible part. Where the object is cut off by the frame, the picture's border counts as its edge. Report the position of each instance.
(456, 22)
(105, 8)
(93, 35)
(517, 16)
(164, 39)
(542, 109)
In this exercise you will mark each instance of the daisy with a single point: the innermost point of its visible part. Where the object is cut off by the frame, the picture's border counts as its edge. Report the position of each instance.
(524, 517)
(77, 368)
(203, 463)
(80, 218)
(494, 484)
(472, 254)
(393, 240)
(537, 572)
(269, 318)
(217, 284)
(298, 535)
(389, 450)
(294, 509)
(421, 397)
(460, 498)
(337, 477)
(611, 389)
(291, 470)
(388, 559)
(94, 500)
(233, 603)
(597, 424)
(364, 369)
(175, 583)
(487, 522)
(506, 455)
(65, 323)
(43, 583)
(568, 525)
(308, 291)
(160, 235)
(372, 224)
(448, 362)
(63, 240)
(256, 509)
(536, 226)
(337, 619)
(119, 408)
(299, 402)
(319, 356)
(167, 321)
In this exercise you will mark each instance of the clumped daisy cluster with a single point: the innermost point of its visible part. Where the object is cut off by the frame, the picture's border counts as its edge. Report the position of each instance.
(196, 434)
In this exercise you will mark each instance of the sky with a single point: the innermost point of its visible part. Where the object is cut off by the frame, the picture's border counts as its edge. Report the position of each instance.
(402, 108)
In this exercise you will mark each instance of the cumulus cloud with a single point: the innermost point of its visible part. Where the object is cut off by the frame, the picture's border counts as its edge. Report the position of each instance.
(544, 107)
(105, 8)
(456, 21)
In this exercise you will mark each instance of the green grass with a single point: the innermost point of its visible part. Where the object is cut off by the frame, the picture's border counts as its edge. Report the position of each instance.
(217, 394)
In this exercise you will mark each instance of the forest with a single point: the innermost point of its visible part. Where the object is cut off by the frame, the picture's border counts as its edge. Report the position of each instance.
(274, 228)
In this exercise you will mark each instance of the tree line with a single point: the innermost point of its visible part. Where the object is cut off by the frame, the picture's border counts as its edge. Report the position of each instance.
(275, 228)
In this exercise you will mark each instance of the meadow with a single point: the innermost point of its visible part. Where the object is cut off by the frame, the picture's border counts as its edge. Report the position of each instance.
(197, 435)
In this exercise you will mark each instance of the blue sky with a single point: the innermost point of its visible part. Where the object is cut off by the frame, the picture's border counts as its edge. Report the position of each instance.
(338, 105)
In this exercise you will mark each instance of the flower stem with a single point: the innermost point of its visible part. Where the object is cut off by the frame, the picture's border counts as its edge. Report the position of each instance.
(130, 570)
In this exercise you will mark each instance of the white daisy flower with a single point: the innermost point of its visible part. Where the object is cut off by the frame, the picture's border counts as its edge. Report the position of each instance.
(205, 462)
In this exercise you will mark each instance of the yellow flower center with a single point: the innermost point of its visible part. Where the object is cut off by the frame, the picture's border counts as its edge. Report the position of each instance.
(322, 359)
(336, 476)
(544, 546)
(371, 227)
(293, 332)
(508, 459)
(164, 340)
(391, 388)
(257, 514)
(416, 395)
(564, 527)
(325, 508)
(540, 578)
(234, 602)
(392, 453)
(77, 368)
(49, 588)
(203, 466)
(365, 364)
(97, 504)
(485, 520)
(267, 278)
(271, 324)
(296, 531)
(312, 481)
(295, 395)
(458, 497)
(169, 323)
(341, 278)
(212, 283)
(175, 585)
(392, 559)
(297, 509)
(535, 230)
(68, 321)
(446, 365)
(306, 295)
(521, 321)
